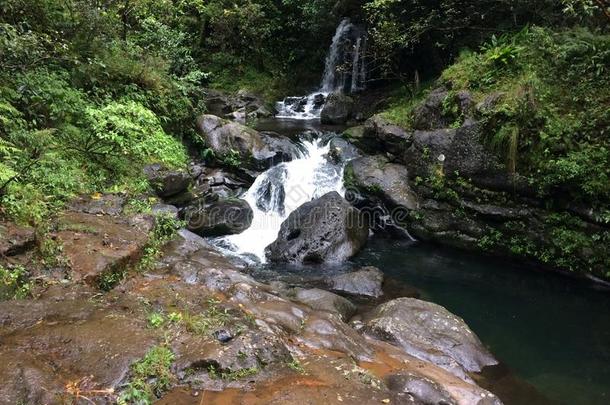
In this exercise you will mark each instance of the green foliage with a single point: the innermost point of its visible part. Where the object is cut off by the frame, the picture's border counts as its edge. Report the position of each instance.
(155, 320)
(552, 121)
(121, 134)
(150, 377)
(232, 159)
(14, 283)
(426, 36)
(212, 317)
(296, 365)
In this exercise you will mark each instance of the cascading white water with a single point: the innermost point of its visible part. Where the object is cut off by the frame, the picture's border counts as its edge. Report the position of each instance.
(279, 191)
(334, 79)
(355, 65)
(333, 57)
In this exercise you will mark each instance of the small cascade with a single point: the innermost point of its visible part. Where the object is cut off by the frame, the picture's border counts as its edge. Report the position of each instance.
(344, 71)
(282, 189)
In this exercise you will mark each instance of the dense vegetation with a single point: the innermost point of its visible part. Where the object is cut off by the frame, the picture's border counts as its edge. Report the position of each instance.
(549, 123)
(92, 91)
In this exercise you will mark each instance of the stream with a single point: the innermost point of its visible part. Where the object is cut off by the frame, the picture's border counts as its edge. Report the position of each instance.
(551, 331)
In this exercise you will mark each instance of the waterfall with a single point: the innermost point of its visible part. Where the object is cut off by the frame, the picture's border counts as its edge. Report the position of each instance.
(279, 191)
(333, 57)
(355, 65)
(346, 50)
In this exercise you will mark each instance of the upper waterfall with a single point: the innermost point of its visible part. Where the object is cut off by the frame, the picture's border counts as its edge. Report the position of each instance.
(329, 82)
(344, 71)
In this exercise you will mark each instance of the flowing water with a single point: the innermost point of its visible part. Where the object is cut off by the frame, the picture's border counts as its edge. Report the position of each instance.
(344, 71)
(282, 189)
(551, 331)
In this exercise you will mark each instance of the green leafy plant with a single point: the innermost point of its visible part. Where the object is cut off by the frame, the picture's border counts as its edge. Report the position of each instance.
(150, 377)
(14, 283)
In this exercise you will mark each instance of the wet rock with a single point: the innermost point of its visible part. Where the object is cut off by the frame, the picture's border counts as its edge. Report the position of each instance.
(165, 182)
(327, 331)
(15, 239)
(322, 300)
(252, 349)
(104, 204)
(391, 138)
(282, 145)
(338, 109)
(421, 388)
(226, 137)
(260, 112)
(318, 101)
(365, 283)
(366, 143)
(223, 335)
(323, 230)
(431, 333)
(223, 104)
(165, 209)
(72, 340)
(389, 181)
(238, 116)
(221, 217)
(342, 150)
(95, 245)
(429, 114)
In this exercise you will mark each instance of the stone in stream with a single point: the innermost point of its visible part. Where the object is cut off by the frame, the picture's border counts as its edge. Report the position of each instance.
(338, 109)
(165, 182)
(327, 229)
(254, 150)
(363, 283)
(431, 333)
(223, 216)
(388, 181)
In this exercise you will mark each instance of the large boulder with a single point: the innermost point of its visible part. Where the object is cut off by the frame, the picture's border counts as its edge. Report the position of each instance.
(431, 333)
(166, 182)
(389, 181)
(460, 151)
(430, 114)
(390, 137)
(97, 246)
(242, 105)
(254, 150)
(218, 217)
(338, 109)
(327, 229)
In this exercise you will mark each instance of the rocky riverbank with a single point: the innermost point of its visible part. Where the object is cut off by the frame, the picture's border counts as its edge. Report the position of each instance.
(195, 326)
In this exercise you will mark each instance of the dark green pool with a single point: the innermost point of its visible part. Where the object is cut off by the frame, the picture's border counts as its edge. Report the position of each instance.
(552, 331)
